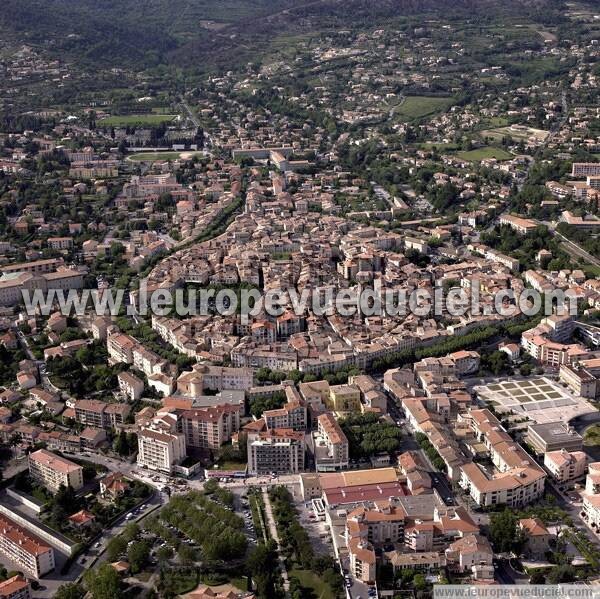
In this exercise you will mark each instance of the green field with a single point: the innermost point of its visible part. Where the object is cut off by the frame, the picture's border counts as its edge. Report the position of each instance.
(484, 153)
(414, 107)
(136, 119)
(591, 437)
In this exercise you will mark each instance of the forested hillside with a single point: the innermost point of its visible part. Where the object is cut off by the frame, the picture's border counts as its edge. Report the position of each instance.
(188, 32)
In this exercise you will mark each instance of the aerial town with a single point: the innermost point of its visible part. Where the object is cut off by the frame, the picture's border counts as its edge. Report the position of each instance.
(306, 452)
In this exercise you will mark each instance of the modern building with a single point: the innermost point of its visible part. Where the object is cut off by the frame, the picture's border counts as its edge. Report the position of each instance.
(585, 169)
(292, 415)
(279, 451)
(52, 471)
(160, 450)
(210, 427)
(553, 436)
(99, 414)
(27, 551)
(331, 448)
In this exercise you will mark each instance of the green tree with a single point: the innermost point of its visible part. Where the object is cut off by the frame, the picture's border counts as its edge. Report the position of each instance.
(137, 555)
(103, 583)
(116, 547)
(70, 590)
(504, 533)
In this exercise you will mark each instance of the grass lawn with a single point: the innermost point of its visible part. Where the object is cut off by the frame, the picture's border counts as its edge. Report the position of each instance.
(415, 107)
(484, 153)
(591, 437)
(136, 119)
(311, 581)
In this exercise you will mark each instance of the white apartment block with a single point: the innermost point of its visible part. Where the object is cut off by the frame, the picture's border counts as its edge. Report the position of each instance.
(585, 169)
(130, 385)
(159, 450)
(29, 553)
(52, 471)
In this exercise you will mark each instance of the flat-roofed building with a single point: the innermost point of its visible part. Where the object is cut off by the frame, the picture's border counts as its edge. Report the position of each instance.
(279, 451)
(585, 169)
(553, 436)
(160, 450)
(344, 398)
(292, 415)
(27, 551)
(580, 380)
(52, 471)
(332, 450)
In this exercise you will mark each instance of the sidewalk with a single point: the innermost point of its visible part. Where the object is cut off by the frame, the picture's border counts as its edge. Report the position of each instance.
(273, 531)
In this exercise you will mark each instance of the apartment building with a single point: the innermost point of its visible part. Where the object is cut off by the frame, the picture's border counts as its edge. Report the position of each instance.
(591, 496)
(585, 169)
(363, 562)
(27, 551)
(518, 480)
(99, 414)
(421, 562)
(279, 451)
(147, 361)
(292, 415)
(518, 224)
(565, 466)
(16, 587)
(130, 385)
(52, 471)
(120, 348)
(579, 379)
(60, 243)
(210, 427)
(344, 398)
(160, 450)
(35, 267)
(332, 451)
